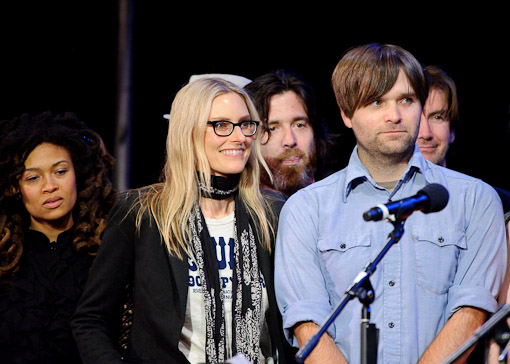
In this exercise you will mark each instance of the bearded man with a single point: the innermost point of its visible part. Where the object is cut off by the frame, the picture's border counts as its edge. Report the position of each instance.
(294, 138)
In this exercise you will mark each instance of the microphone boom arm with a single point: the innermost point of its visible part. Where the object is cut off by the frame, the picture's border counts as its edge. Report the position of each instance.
(357, 289)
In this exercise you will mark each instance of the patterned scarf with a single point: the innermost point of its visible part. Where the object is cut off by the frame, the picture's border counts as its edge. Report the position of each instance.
(246, 288)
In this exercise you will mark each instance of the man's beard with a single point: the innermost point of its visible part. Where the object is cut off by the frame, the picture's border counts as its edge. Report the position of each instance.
(290, 178)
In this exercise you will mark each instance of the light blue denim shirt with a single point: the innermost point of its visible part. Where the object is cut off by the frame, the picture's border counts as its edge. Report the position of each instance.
(444, 260)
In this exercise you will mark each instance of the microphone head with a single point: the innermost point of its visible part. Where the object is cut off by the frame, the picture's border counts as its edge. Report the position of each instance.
(438, 197)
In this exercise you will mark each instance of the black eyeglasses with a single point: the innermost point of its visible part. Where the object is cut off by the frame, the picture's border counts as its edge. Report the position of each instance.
(225, 128)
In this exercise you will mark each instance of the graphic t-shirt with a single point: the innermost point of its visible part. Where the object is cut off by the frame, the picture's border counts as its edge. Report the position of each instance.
(193, 338)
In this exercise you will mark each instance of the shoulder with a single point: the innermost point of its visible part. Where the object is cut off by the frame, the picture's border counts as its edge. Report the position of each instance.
(464, 189)
(454, 179)
(124, 203)
(274, 199)
(320, 192)
(128, 203)
(330, 182)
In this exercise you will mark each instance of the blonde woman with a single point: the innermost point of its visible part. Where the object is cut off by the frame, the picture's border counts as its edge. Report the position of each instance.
(196, 247)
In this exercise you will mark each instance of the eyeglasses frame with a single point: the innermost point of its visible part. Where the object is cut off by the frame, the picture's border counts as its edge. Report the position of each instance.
(213, 123)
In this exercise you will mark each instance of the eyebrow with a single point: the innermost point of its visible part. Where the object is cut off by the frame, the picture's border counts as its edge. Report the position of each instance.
(221, 118)
(408, 95)
(440, 112)
(297, 118)
(53, 165)
(443, 109)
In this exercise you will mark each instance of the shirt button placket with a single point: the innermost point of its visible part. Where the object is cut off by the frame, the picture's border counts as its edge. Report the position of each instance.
(392, 311)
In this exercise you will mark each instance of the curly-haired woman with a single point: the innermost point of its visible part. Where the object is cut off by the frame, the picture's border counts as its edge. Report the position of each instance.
(55, 195)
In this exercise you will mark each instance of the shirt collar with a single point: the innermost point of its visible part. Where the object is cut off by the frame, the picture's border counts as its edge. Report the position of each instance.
(357, 173)
(37, 239)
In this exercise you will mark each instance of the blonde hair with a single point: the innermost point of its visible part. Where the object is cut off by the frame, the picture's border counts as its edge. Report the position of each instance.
(171, 201)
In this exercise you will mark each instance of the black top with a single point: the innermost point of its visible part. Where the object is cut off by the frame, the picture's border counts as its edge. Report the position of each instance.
(160, 284)
(37, 303)
(505, 198)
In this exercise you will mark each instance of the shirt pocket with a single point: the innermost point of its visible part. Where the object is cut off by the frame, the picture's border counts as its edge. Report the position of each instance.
(436, 256)
(344, 257)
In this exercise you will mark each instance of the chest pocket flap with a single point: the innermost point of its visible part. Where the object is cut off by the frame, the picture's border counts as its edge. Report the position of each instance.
(436, 255)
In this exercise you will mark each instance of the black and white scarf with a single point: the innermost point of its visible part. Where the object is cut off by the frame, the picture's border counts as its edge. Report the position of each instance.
(246, 285)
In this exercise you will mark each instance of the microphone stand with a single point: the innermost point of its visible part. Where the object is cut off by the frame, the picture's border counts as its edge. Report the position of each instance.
(496, 326)
(362, 289)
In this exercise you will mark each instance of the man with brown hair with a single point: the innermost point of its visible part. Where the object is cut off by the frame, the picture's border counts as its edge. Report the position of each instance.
(439, 121)
(295, 139)
(434, 288)
(439, 116)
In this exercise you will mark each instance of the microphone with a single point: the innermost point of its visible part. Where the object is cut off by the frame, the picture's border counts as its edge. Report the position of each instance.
(432, 198)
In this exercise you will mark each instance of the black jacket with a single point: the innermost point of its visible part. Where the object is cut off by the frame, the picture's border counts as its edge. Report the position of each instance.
(160, 294)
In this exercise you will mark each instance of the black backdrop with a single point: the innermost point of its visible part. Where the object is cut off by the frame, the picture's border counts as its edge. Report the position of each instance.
(62, 56)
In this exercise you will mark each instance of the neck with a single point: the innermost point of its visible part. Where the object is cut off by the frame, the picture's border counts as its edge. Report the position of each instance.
(53, 230)
(222, 187)
(216, 209)
(385, 168)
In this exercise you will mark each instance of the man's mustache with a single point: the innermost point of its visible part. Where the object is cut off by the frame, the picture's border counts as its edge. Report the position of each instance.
(291, 153)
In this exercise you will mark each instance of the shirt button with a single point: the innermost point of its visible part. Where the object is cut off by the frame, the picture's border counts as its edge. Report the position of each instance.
(440, 240)
(391, 283)
(342, 246)
(391, 325)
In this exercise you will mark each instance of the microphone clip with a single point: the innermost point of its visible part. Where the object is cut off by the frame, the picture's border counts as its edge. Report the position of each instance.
(389, 216)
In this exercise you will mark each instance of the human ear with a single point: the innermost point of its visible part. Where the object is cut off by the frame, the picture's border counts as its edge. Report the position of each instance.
(451, 138)
(347, 121)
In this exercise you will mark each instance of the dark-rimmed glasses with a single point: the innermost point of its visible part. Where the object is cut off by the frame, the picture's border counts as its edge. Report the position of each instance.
(225, 128)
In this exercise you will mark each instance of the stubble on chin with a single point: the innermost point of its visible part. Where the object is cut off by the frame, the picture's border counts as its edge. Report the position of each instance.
(396, 148)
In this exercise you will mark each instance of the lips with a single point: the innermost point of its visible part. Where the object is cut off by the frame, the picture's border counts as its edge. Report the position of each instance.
(426, 146)
(53, 202)
(291, 157)
(291, 161)
(232, 152)
(396, 131)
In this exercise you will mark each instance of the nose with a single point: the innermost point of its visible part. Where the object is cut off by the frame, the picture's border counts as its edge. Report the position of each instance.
(393, 113)
(424, 132)
(49, 184)
(237, 134)
(289, 138)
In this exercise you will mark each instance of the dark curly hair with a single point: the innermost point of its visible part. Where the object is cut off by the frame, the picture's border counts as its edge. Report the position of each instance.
(92, 164)
(264, 87)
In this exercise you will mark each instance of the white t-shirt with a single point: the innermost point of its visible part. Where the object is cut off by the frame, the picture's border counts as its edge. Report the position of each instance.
(193, 338)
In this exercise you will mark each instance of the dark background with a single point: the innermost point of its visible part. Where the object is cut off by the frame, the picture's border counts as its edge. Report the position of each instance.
(62, 56)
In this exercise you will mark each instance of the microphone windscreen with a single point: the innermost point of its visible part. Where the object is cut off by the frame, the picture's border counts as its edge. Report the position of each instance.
(438, 196)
